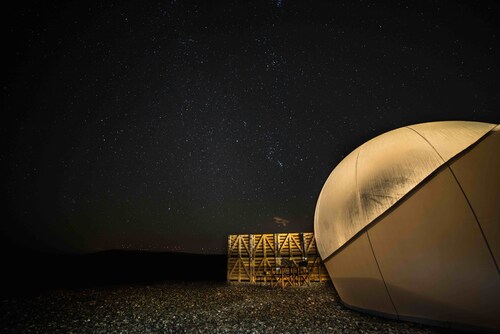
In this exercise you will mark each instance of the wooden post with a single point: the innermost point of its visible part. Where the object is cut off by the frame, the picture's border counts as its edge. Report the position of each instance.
(251, 259)
(277, 258)
(239, 258)
(264, 254)
(303, 247)
(228, 255)
(277, 255)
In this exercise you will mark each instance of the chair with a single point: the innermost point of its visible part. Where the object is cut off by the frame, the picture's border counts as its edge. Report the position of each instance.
(286, 273)
(303, 273)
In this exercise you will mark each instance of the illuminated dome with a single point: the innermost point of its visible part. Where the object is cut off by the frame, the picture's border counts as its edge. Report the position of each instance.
(408, 224)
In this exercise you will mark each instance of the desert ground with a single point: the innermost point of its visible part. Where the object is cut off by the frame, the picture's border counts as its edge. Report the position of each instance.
(192, 307)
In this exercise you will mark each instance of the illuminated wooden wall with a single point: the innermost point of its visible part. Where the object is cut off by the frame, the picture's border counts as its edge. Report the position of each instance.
(252, 258)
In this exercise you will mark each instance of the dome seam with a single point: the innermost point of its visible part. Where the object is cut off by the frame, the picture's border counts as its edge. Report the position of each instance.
(428, 142)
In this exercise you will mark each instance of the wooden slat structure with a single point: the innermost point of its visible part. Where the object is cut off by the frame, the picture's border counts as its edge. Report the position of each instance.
(257, 258)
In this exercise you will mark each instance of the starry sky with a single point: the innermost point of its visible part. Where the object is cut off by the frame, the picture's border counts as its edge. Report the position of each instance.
(168, 125)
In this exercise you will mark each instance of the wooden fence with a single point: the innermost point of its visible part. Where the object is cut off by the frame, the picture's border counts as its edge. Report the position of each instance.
(253, 258)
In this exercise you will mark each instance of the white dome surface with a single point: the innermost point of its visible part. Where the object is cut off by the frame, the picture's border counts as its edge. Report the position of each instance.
(380, 172)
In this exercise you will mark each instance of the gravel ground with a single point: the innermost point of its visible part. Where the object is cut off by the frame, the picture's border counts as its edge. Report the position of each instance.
(203, 307)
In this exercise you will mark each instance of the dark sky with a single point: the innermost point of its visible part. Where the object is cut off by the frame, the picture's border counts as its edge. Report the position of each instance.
(168, 125)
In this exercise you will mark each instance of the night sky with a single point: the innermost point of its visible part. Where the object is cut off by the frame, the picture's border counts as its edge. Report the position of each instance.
(168, 125)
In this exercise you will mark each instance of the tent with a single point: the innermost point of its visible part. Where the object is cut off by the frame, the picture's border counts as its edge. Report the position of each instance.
(408, 225)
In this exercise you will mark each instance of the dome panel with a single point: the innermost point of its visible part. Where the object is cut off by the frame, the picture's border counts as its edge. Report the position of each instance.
(452, 137)
(389, 166)
(340, 181)
(478, 174)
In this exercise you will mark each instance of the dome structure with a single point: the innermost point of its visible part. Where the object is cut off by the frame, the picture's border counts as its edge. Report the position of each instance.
(408, 224)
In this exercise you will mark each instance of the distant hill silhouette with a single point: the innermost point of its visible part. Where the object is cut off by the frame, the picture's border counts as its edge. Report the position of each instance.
(26, 272)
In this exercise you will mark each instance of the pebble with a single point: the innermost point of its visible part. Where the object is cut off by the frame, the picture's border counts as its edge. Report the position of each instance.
(194, 307)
